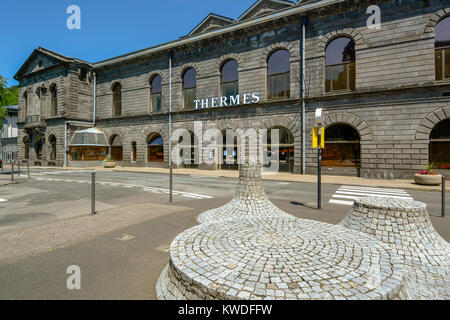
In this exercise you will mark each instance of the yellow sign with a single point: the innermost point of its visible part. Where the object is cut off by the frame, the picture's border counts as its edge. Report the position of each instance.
(316, 137)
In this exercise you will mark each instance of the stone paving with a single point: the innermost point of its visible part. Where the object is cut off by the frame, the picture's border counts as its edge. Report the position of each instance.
(405, 225)
(280, 258)
(249, 249)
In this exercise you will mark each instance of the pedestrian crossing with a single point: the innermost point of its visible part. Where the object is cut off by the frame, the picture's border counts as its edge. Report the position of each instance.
(346, 195)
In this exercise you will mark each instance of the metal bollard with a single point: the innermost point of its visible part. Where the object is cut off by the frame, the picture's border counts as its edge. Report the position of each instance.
(93, 193)
(12, 171)
(28, 169)
(443, 196)
(18, 169)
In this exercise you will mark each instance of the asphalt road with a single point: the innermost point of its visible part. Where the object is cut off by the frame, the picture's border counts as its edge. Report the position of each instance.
(124, 260)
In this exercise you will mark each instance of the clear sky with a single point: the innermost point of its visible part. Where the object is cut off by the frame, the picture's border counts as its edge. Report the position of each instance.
(108, 27)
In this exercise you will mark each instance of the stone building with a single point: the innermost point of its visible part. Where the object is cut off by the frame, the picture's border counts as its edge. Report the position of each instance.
(385, 89)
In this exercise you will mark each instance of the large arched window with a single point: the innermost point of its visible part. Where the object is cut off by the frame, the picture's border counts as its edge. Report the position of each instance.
(155, 148)
(116, 148)
(229, 78)
(117, 100)
(53, 100)
(229, 150)
(279, 75)
(52, 141)
(155, 93)
(439, 152)
(281, 150)
(340, 65)
(342, 146)
(189, 88)
(442, 49)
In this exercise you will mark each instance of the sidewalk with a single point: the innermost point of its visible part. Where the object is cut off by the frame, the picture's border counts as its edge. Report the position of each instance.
(285, 177)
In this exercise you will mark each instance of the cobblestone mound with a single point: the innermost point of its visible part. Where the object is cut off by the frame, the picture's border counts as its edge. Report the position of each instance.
(406, 227)
(279, 258)
(250, 200)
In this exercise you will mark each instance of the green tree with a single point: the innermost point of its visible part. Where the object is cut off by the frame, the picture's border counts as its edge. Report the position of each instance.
(8, 97)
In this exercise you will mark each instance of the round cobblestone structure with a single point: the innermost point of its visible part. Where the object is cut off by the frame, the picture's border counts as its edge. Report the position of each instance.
(406, 227)
(278, 258)
(249, 200)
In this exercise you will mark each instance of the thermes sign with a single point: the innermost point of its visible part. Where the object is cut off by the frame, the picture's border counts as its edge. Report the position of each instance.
(246, 98)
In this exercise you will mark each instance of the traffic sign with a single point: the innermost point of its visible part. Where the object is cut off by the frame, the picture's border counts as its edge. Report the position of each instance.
(315, 139)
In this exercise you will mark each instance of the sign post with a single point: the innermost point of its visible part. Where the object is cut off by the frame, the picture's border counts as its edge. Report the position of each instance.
(318, 140)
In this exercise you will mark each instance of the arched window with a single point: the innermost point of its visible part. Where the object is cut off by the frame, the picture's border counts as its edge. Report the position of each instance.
(229, 151)
(439, 153)
(442, 49)
(279, 75)
(117, 99)
(155, 93)
(52, 141)
(133, 151)
(340, 65)
(342, 146)
(282, 150)
(26, 147)
(229, 78)
(189, 88)
(155, 148)
(53, 100)
(116, 148)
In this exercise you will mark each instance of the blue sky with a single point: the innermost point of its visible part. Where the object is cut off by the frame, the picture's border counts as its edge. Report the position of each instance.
(108, 27)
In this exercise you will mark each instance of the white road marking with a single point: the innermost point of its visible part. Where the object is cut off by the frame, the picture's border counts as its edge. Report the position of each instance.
(354, 192)
(125, 185)
(3, 200)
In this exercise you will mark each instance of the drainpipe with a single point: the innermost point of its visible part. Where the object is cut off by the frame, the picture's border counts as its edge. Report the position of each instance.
(304, 22)
(170, 125)
(95, 98)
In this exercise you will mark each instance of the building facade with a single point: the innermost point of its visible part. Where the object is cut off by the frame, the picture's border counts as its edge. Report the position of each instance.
(385, 89)
(8, 135)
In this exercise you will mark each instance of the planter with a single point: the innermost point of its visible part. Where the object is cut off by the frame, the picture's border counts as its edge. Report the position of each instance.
(109, 164)
(428, 179)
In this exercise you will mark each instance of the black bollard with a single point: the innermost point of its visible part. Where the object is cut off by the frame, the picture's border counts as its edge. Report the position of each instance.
(93, 193)
(443, 196)
(12, 171)
(18, 169)
(28, 169)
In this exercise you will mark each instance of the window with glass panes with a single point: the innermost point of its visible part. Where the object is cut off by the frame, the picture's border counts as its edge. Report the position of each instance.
(155, 93)
(442, 49)
(229, 79)
(117, 100)
(278, 75)
(340, 65)
(189, 88)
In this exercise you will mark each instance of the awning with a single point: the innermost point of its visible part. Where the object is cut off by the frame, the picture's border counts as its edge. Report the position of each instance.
(89, 138)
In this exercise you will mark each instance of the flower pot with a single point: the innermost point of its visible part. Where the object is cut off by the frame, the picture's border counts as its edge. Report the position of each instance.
(428, 179)
(109, 164)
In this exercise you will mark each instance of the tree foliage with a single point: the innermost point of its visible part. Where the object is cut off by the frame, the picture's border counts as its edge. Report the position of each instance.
(8, 97)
